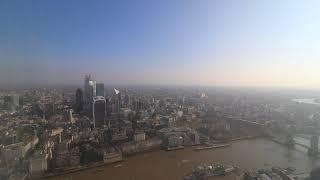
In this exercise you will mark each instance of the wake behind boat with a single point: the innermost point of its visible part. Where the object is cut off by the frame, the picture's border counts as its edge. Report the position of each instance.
(211, 147)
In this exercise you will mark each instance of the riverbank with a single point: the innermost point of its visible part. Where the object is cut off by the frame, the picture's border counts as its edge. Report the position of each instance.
(159, 164)
(67, 171)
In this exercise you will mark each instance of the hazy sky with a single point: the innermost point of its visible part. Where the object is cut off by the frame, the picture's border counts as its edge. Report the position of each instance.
(185, 42)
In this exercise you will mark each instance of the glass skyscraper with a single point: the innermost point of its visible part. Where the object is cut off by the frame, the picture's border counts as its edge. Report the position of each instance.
(100, 89)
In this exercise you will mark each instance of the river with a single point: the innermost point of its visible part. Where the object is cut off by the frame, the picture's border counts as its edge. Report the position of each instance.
(307, 101)
(158, 164)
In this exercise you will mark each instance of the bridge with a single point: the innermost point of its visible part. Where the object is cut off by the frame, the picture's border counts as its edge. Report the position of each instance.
(248, 127)
(313, 148)
(302, 145)
(242, 122)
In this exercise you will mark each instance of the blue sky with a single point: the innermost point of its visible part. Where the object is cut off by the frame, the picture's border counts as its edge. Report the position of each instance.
(184, 42)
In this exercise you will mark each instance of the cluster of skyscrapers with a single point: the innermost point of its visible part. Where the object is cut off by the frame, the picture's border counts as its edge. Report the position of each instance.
(93, 101)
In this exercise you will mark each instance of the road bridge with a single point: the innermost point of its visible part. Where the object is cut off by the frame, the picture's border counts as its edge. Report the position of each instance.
(313, 148)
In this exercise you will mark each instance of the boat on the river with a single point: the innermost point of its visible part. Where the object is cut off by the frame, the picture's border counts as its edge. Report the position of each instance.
(117, 166)
(174, 148)
(212, 147)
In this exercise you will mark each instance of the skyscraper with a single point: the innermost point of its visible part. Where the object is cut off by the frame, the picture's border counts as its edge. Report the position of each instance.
(100, 89)
(99, 111)
(11, 102)
(86, 89)
(118, 100)
(89, 91)
(79, 100)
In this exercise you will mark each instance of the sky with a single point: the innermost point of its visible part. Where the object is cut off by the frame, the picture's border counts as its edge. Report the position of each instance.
(165, 42)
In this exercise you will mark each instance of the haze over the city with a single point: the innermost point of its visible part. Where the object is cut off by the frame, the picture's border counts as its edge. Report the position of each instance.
(229, 43)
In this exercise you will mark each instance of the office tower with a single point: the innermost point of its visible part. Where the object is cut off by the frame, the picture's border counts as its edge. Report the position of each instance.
(92, 89)
(11, 102)
(79, 100)
(49, 110)
(117, 106)
(100, 89)
(86, 89)
(99, 111)
(108, 106)
(89, 91)
(118, 101)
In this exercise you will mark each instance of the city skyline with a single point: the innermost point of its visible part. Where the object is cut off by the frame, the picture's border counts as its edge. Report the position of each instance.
(212, 43)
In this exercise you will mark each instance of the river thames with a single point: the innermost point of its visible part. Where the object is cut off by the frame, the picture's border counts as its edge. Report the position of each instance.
(159, 164)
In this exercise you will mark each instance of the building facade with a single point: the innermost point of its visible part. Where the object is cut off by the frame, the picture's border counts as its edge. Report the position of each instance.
(99, 111)
(100, 89)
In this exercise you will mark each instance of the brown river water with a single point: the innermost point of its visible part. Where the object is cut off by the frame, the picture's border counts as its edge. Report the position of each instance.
(159, 164)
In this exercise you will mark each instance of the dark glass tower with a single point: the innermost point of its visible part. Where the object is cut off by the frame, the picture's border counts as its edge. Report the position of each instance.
(99, 111)
(79, 100)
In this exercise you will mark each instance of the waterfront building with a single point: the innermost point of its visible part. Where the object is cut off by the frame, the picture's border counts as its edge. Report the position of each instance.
(38, 164)
(175, 140)
(139, 136)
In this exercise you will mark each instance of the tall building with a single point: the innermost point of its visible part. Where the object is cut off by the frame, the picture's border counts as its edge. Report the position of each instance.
(89, 91)
(109, 106)
(79, 100)
(86, 89)
(92, 88)
(99, 111)
(116, 106)
(100, 89)
(11, 102)
(118, 101)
